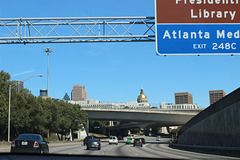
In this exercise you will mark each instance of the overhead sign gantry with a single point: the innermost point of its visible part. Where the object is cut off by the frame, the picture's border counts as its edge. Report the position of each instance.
(195, 27)
(76, 30)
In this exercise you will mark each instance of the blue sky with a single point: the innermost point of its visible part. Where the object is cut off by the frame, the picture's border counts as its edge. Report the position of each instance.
(111, 72)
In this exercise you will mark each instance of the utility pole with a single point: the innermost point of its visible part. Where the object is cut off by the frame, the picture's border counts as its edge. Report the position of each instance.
(48, 50)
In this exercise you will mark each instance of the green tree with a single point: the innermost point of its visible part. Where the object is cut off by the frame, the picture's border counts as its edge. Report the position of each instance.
(30, 114)
(176, 130)
(4, 94)
(136, 130)
(66, 117)
(19, 113)
(94, 126)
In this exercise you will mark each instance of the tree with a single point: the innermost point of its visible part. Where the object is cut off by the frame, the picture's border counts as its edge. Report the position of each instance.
(94, 126)
(19, 113)
(30, 114)
(66, 117)
(4, 94)
(135, 130)
(176, 130)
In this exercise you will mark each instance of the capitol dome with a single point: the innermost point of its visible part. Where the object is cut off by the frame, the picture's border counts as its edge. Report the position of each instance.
(142, 98)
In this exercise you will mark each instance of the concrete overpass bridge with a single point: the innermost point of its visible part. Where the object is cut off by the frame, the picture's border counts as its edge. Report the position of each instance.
(142, 118)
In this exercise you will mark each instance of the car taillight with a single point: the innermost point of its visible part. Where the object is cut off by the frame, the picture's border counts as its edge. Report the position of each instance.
(13, 144)
(36, 145)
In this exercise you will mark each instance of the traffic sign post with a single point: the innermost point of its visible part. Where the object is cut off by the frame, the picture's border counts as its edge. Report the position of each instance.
(197, 27)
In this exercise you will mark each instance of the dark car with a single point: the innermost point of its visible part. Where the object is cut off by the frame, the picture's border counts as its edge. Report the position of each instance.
(143, 140)
(120, 137)
(137, 142)
(86, 139)
(94, 143)
(33, 143)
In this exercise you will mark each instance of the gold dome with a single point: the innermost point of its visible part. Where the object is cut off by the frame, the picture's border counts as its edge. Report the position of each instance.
(142, 97)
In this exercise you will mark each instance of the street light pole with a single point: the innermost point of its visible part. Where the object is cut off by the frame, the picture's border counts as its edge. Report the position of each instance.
(9, 104)
(48, 50)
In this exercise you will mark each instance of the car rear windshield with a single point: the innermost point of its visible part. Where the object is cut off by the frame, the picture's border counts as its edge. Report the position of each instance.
(28, 137)
(93, 140)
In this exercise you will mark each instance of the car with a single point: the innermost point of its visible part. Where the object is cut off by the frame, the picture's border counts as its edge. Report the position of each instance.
(113, 140)
(158, 138)
(137, 142)
(129, 140)
(94, 143)
(120, 137)
(130, 136)
(143, 140)
(86, 139)
(33, 143)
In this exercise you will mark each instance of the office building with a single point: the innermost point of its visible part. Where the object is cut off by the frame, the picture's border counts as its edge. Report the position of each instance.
(216, 95)
(165, 105)
(183, 98)
(43, 93)
(19, 85)
(79, 93)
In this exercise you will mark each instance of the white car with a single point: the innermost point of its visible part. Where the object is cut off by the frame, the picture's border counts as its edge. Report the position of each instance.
(113, 140)
(158, 138)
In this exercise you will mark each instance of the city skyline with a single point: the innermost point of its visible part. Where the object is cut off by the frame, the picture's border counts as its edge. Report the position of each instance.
(180, 98)
(112, 72)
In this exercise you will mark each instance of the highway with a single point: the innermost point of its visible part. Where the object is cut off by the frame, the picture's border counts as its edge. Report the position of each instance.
(152, 149)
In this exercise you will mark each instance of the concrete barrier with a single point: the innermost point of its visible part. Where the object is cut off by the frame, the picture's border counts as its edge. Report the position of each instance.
(216, 126)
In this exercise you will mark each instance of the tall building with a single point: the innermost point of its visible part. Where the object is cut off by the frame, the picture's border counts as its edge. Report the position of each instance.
(43, 92)
(216, 95)
(183, 98)
(19, 85)
(79, 93)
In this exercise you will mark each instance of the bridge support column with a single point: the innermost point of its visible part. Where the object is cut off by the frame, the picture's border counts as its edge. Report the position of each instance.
(111, 123)
(87, 127)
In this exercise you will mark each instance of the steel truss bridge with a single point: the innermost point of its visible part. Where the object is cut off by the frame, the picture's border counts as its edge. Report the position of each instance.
(76, 30)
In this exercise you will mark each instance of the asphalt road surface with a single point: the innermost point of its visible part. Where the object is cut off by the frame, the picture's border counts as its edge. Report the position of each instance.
(152, 149)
